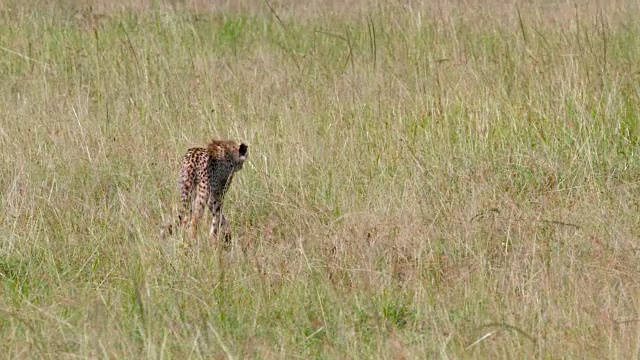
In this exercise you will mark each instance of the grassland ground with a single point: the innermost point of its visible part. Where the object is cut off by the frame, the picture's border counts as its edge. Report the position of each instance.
(425, 180)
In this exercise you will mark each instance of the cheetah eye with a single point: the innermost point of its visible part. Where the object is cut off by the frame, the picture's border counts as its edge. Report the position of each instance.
(243, 149)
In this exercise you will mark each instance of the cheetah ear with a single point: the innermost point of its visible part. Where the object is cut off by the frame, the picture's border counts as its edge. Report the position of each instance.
(243, 149)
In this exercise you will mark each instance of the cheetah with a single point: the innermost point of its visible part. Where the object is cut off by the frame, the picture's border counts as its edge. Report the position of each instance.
(205, 176)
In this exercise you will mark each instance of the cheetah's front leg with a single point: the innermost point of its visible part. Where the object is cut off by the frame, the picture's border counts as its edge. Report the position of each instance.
(218, 221)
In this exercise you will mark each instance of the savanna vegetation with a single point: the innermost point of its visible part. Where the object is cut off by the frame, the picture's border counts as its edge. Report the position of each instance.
(425, 179)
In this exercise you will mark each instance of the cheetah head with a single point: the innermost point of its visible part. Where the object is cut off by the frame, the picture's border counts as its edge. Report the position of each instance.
(228, 151)
(240, 156)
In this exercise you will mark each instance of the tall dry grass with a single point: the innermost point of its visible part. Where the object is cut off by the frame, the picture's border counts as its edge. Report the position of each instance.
(425, 180)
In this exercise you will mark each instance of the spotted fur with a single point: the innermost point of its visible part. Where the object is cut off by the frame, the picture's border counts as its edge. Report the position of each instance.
(205, 176)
